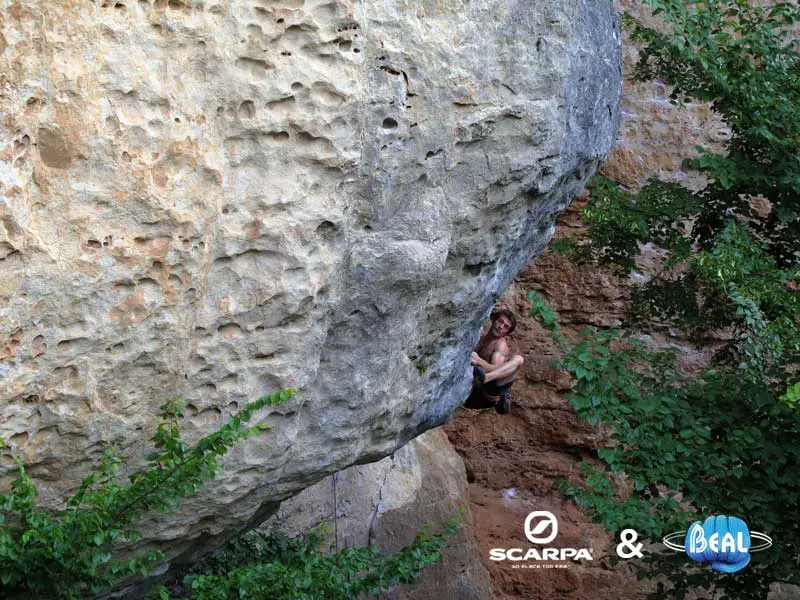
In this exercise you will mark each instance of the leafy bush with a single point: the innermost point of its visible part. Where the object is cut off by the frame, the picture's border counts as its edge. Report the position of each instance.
(71, 553)
(268, 565)
(74, 553)
(743, 59)
(689, 445)
(721, 439)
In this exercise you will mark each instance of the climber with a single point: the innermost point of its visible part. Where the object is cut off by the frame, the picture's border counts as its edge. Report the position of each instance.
(493, 372)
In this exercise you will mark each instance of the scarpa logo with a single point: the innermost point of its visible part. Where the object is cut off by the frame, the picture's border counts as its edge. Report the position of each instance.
(541, 527)
(724, 542)
(533, 530)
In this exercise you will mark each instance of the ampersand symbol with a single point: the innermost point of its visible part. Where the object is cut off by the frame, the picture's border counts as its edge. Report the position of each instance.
(626, 548)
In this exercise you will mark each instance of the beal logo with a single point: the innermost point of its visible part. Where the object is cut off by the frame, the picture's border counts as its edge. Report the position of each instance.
(724, 542)
(541, 527)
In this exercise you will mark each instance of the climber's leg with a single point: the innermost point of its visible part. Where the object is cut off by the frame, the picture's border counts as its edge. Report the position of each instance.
(505, 373)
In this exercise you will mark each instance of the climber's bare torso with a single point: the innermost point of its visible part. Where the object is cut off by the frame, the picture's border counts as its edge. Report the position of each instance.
(492, 353)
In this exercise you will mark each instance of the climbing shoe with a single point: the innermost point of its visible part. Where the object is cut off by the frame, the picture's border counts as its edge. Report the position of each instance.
(504, 404)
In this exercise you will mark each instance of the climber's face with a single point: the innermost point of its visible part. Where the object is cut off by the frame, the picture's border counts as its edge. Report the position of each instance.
(501, 326)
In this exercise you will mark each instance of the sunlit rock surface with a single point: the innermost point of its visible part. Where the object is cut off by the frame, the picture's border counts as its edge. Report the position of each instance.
(214, 200)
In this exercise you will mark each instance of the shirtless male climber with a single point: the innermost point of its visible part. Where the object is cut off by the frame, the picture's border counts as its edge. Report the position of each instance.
(493, 371)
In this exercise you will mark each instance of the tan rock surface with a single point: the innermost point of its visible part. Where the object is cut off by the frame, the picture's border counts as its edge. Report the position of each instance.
(215, 200)
(655, 135)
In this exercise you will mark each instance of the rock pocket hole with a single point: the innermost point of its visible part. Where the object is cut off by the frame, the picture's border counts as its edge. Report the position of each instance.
(327, 230)
(247, 110)
(278, 136)
(473, 270)
(19, 440)
(389, 123)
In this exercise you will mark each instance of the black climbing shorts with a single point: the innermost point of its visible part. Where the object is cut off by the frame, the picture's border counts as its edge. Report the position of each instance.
(486, 395)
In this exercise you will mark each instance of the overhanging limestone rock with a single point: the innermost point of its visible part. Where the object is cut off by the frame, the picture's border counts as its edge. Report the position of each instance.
(218, 199)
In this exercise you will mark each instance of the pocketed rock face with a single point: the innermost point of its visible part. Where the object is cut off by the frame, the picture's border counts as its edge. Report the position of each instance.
(216, 200)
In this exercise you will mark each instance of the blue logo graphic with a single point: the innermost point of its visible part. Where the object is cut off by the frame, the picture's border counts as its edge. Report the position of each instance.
(725, 542)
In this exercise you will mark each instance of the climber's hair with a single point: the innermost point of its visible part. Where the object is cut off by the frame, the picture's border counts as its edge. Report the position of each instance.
(504, 312)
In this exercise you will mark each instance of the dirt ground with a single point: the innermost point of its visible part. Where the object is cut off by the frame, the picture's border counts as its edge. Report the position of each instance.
(514, 461)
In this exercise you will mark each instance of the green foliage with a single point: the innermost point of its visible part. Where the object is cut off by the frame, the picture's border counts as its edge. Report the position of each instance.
(744, 60)
(690, 445)
(792, 395)
(541, 309)
(72, 553)
(620, 221)
(722, 439)
(267, 566)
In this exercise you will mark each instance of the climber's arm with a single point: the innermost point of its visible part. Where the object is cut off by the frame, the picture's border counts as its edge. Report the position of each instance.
(499, 357)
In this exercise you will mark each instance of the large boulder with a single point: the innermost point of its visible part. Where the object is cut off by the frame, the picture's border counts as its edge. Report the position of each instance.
(217, 199)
